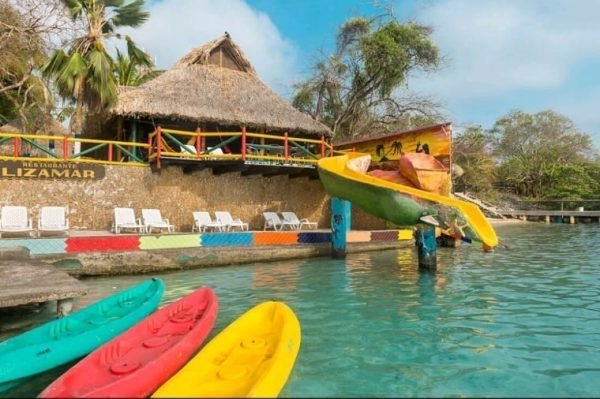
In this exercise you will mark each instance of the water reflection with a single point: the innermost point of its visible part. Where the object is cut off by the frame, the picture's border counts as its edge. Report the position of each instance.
(518, 322)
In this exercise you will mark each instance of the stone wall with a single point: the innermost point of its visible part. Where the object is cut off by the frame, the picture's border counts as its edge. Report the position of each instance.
(176, 194)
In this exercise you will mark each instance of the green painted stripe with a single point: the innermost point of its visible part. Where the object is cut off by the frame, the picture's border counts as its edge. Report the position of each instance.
(170, 241)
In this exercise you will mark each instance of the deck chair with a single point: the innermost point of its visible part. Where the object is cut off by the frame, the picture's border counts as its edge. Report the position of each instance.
(14, 219)
(53, 219)
(153, 220)
(290, 219)
(124, 218)
(203, 222)
(272, 221)
(228, 222)
(188, 149)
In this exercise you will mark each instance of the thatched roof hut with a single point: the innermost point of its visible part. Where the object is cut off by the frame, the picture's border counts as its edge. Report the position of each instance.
(54, 127)
(215, 84)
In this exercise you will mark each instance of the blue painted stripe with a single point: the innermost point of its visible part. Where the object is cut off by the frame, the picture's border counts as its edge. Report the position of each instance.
(37, 246)
(229, 239)
(306, 238)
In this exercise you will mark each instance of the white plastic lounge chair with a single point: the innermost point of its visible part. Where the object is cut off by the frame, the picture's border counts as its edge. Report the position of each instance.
(53, 219)
(14, 219)
(290, 219)
(228, 222)
(153, 220)
(272, 221)
(203, 222)
(188, 149)
(125, 219)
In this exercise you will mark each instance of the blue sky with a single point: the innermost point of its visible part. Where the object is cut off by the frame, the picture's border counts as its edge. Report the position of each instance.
(500, 54)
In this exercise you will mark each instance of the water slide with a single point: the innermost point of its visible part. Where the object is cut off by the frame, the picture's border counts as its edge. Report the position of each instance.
(345, 177)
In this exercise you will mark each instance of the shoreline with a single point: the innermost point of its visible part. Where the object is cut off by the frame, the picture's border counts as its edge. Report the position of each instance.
(507, 221)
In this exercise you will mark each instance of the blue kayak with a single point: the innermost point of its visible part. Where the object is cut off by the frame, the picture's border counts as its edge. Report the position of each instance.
(63, 340)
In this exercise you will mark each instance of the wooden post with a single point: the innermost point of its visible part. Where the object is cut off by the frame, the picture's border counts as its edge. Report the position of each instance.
(286, 151)
(65, 147)
(547, 219)
(426, 248)
(134, 138)
(198, 142)
(340, 225)
(158, 146)
(110, 152)
(322, 147)
(244, 143)
(149, 147)
(17, 147)
(119, 134)
(571, 219)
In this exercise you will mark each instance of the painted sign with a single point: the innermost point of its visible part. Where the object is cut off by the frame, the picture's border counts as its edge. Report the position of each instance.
(386, 152)
(50, 170)
(433, 140)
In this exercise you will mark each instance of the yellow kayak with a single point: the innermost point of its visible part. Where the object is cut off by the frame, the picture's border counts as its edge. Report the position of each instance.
(252, 357)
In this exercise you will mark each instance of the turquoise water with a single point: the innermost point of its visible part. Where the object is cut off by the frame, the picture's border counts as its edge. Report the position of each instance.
(523, 321)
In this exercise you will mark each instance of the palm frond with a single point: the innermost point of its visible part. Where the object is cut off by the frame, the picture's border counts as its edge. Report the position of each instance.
(75, 7)
(131, 14)
(136, 54)
(100, 77)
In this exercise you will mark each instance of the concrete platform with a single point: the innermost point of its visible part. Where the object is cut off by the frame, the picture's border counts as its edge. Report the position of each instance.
(23, 281)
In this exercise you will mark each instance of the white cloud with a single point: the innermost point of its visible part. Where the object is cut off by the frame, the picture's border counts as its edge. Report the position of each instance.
(513, 54)
(496, 47)
(177, 26)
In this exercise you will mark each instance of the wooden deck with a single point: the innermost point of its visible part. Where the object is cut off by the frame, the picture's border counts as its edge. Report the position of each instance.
(549, 215)
(24, 282)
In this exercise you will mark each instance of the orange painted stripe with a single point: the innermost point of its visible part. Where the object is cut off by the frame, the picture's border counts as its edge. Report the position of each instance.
(358, 236)
(275, 237)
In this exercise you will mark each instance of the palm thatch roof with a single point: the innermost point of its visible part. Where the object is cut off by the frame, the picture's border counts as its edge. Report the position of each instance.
(215, 83)
(54, 127)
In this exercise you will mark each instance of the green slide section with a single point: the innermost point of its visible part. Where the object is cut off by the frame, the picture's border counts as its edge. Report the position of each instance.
(344, 177)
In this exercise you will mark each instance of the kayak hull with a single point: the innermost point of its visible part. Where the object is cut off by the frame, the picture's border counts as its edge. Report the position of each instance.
(252, 357)
(424, 171)
(136, 362)
(69, 338)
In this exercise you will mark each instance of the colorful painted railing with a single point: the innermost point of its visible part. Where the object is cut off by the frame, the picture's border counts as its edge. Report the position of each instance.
(68, 149)
(111, 243)
(167, 143)
(253, 147)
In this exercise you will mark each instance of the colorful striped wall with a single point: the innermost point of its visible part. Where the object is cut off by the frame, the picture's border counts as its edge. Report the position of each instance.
(53, 246)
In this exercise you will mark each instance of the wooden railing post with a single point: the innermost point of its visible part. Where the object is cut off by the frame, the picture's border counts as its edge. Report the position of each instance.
(198, 142)
(244, 143)
(286, 152)
(110, 152)
(158, 146)
(17, 147)
(149, 147)
(65, 146)
(322, 146)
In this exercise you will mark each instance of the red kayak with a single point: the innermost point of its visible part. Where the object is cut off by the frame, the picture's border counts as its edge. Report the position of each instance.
(137, 362)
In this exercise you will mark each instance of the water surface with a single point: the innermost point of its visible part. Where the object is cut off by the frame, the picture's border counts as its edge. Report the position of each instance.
(518, 322)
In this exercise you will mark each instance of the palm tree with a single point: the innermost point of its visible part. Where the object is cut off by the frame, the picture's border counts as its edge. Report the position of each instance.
(129, 73)
(84, 73)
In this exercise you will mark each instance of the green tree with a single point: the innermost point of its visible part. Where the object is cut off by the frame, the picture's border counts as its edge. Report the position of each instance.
(23, 95)
(129, 73)
(84, 72)
(355, 88)
(533, 148)
(573, 181)
(472, 152)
